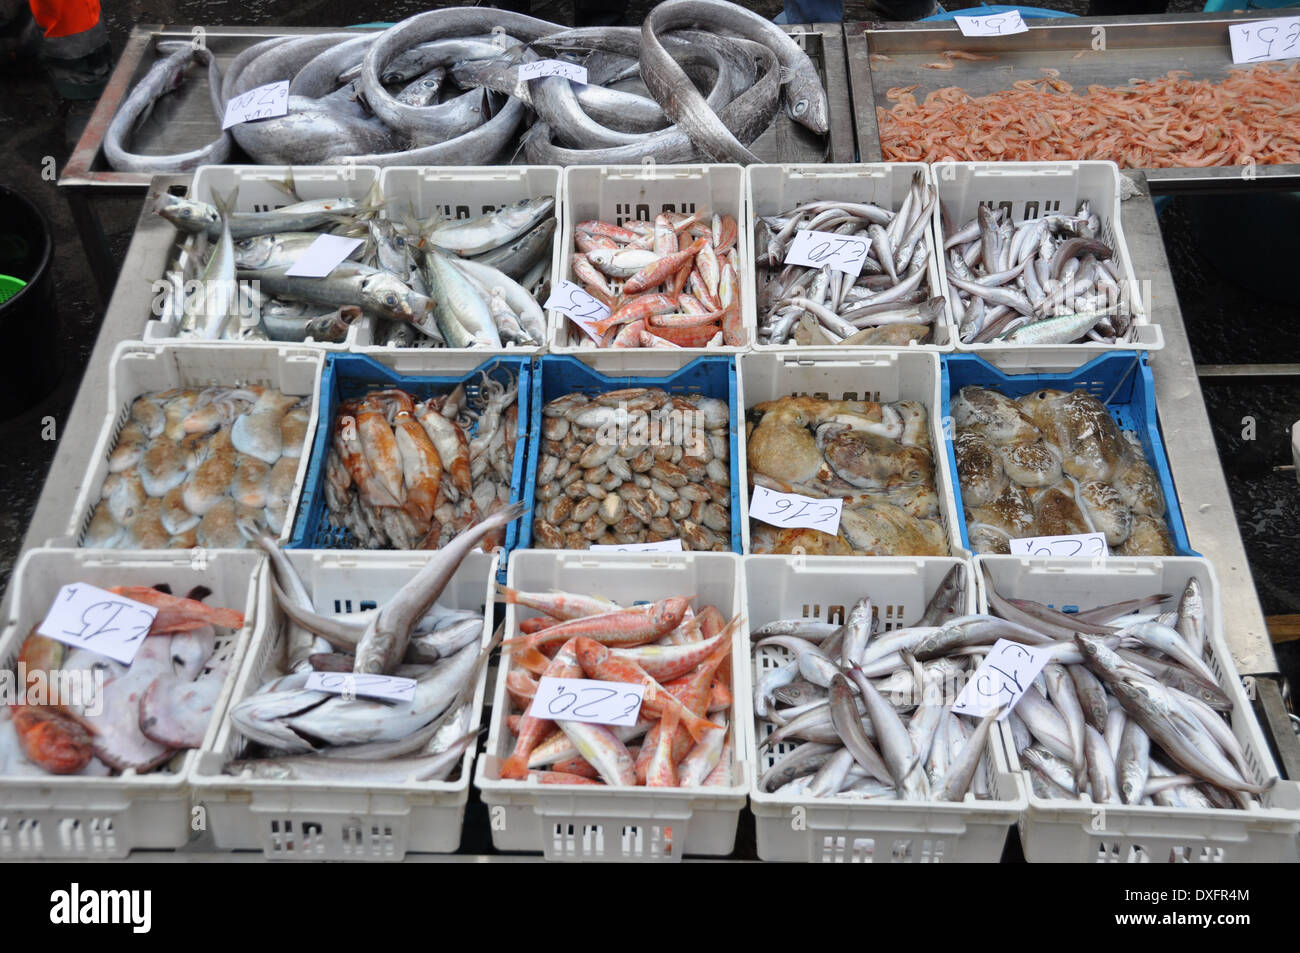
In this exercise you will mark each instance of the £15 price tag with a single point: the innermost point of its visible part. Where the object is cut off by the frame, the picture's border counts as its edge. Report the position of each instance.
(1264, 40)
(539, 68)
(790, 509)
(584, 699)
(1001, 680)
(993, 24)
(92, 618)
(322, 256)
(1090, 545)
(581, 308)
(662, 546)
(264, 102)
(391, 688)
(844, 253)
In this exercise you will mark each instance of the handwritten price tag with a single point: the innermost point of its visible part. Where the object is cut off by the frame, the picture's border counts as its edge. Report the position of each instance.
(662, 546)
(322, 256)
(1001, 680)
(583, 699)
(1265, 40)
(1089, 545)
(88, 617)
(844, 253)
(994, 24)
(581, 308)
(791, 509)
(386, 687)
(264, 102)
(539, 68)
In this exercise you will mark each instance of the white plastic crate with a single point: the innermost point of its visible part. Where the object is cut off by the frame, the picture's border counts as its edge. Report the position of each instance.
(460, 193)
(257, 192)
(838, 374)
(1029, 189)
(617, 194)
(71, 816)
(587, 822)
(798, 828)
(342, 820)
(143, 368)
(773, 189)
(1080, 831)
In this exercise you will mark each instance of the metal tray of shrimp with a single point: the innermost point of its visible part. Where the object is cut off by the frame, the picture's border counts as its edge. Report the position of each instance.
(1105, 51)
(184, 119)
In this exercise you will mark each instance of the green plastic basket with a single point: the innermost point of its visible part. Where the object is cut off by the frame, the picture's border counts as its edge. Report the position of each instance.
(10, 286)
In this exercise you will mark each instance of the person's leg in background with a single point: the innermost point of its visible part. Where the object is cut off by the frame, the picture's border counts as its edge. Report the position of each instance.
(75, 48)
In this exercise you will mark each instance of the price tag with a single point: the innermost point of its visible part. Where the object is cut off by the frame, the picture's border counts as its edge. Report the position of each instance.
(1001, 680)
(539, 68)
(584, 699)
(389, 688)
(662, 546)
(264, 102)
(581, 308)
(1265, 40)
(1090, 545)
(791, 509)
(994, 24)
(92, 618)
(844, 253)
(322, 256)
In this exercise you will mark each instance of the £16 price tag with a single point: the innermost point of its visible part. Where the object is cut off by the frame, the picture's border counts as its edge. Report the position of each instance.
(581, 308)
(791, 509)
(92, 618)
(1264, 40)
(662, 546)
(844, 253)
(993, 24)
(539, 68)
(264, 102)
(1090, 545)
(584, 699)
(1001, 680)
(391, 688)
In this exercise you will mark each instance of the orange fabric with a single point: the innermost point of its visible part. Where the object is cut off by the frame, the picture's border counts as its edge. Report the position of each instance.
(65, 17)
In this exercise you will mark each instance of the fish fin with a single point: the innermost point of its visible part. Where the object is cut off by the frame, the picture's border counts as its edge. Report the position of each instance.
(506, 594)
(286, 185)
(514, 768)
(373, 202)
(696, 725)
(784, 75)
(225, 205)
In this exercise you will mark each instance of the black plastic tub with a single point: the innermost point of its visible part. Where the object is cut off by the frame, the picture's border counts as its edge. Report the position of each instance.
(29, 323)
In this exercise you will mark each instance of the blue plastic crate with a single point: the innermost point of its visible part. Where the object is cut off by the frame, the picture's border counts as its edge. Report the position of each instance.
(557, 375)
(354, 375)
(1121, 380)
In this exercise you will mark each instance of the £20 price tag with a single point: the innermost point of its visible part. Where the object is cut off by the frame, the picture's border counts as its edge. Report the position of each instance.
(1001, 680)
(263, 102)
(662, 546)
(92, 618)
(844, 253)
(1089, 545)
(391, 688)
(1265, 40)
(584, 699)
(539, 68)
(993, 24)
(581, 308)
(791, 509)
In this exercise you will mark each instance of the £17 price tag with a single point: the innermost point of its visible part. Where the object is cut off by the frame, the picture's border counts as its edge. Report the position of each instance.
(844, 253)
(539, 68)
(790, 509)
(1001, 680)
(1263, 40)
(662, 546)
(92, 618)
(581, 308)
(1090, 545)
(584, 699)
(264, 102)
(993, 24)
(390, 688)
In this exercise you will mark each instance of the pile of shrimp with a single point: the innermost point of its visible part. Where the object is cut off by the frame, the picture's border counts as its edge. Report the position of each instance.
(1252, 116)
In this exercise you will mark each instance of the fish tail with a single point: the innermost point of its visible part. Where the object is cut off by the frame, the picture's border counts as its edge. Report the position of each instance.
(693, 723)
(225, 205)
(515, 767)
(287, 185)
(507, 595)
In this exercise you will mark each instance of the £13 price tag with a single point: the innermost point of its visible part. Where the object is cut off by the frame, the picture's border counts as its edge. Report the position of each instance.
(88, 617)
(1090, 545)
(584, 699)
(322, 256)
(844, 253)
(791, 509)
(993, 24)
(391, 688)
(581, 308)
(539, 68)
(1001, 680)
(662, 546)
(1265, 40)
(264, 102)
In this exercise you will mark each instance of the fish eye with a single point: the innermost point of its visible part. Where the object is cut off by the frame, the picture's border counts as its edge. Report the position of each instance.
(390, 299)
(800, 107)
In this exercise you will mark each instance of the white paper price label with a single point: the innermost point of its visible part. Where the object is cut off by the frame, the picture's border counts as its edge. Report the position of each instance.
(584, 699)
(1265, 40)
(790, 509)
(1089, 545)
(581, 308)
(844, 253)
(1001, 680)
(88, 617)
(390, 688)
(539, 68)
(322, 256)
(993, 24)
(264, 102)
(662, 546)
